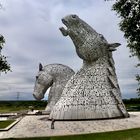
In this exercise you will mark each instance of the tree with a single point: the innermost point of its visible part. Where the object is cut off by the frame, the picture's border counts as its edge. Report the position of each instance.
(129, 12)
(4, 66)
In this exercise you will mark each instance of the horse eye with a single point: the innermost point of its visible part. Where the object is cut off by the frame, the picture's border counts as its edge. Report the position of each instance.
(36, 77)
(73, 16)
(101, 36)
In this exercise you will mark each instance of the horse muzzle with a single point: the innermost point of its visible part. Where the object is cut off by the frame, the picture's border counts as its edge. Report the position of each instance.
(38, 97)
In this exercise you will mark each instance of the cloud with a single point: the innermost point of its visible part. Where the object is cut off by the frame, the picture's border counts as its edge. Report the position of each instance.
(31, 30)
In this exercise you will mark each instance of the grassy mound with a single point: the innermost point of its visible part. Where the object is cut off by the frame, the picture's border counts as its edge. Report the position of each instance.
(4, 124)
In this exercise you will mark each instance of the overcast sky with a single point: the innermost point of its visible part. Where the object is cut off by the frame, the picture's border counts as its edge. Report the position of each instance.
(31, 30)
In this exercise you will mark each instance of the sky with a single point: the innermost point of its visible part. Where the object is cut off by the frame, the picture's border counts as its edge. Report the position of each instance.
(31, 31)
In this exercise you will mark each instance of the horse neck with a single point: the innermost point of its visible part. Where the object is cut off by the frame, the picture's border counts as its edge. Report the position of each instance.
(101, 62)
(105, 62)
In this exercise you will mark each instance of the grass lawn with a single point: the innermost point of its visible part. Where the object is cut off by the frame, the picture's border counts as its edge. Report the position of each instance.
(16, 109)
(11, 109)
(131, 134)
(16, 106)
(4, 124)
(133, 107)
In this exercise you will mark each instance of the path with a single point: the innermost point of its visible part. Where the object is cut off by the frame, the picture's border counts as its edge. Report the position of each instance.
(35, 126)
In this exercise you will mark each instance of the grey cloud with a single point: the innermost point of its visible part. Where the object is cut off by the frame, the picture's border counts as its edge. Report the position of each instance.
(32, 36)
(78, 3)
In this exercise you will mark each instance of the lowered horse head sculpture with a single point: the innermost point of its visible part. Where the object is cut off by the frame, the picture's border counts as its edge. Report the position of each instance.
(54, 76)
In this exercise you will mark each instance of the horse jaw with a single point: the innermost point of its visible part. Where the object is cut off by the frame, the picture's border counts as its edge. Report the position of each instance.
(38, 97)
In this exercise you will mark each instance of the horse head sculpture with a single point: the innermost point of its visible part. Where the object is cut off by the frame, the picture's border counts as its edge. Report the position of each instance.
(89, 44)
(93, 92)
(54, 76)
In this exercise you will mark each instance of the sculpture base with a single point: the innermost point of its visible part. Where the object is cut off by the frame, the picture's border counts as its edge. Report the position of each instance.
(80, 113)
(90, 119)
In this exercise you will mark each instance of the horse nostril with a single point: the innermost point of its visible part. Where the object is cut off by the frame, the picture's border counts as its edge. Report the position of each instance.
(63, 20)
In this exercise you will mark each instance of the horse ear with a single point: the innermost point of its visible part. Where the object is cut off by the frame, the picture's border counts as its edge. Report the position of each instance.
(113, 46)
(40, 67)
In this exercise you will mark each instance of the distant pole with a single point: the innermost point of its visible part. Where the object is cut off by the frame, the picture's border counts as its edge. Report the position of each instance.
(18, 94)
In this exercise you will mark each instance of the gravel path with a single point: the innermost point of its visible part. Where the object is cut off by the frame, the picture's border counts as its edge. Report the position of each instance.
(35, 126)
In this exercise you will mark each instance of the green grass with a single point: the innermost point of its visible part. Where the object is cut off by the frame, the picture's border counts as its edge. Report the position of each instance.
(15, 106)
(131, 134)
(11, 109)
(133, 107)
(17, 109)
(4, 124)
